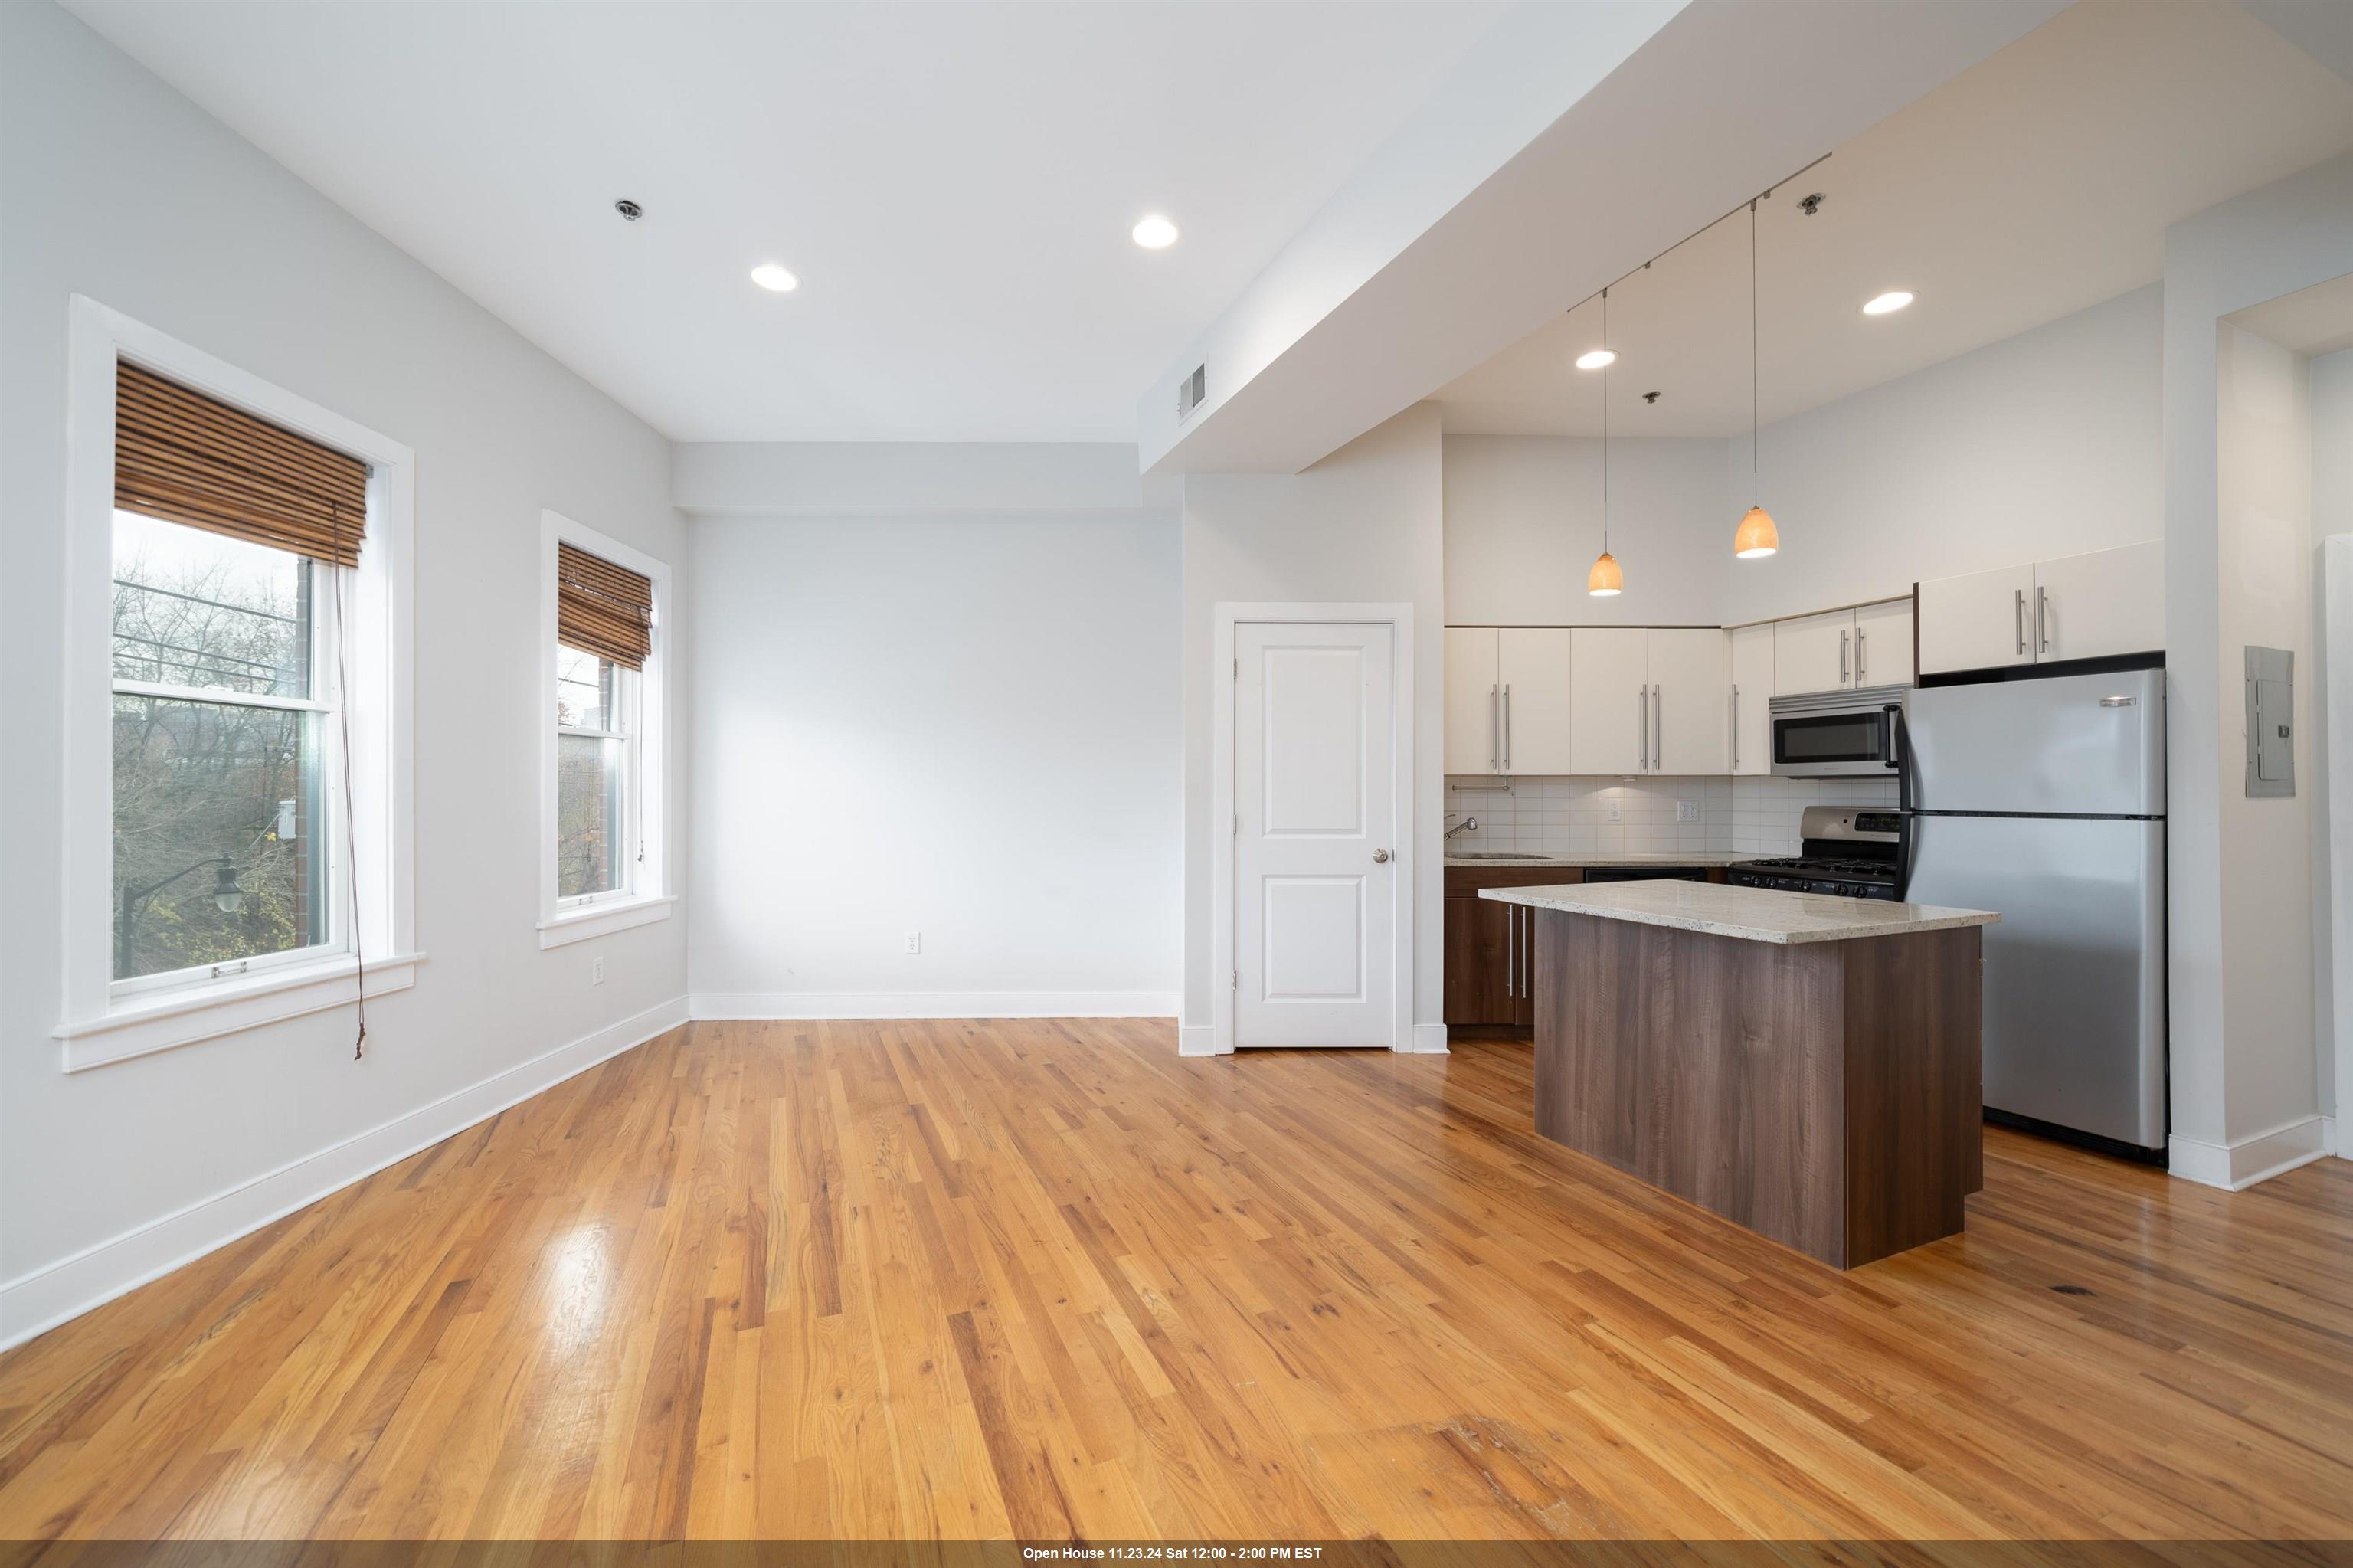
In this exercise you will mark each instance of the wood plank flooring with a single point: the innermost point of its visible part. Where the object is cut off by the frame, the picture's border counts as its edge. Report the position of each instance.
(1047, 1279)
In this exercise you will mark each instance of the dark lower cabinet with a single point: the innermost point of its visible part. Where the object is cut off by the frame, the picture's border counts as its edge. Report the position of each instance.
(1488, 951)
(1481, 941)
(1490, 946)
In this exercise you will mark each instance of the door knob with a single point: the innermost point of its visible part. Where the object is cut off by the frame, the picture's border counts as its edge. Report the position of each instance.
(1380, 857)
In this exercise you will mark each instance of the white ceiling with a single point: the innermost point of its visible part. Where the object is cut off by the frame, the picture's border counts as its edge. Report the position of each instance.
(2032, 185)
(953, 183)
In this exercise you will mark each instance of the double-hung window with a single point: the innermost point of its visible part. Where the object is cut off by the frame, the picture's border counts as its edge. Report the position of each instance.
(236, 840)
(598, 848)
(227, 812)
(603, 860)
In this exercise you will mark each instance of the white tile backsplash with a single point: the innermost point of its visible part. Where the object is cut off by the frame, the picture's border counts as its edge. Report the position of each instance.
(1573, 815)
(1765, 812)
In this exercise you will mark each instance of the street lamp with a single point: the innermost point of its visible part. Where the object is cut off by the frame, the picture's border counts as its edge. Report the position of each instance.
(227, 898)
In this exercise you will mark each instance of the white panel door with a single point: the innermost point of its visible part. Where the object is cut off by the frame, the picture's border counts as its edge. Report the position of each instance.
(2107, 602)
(1607, 677)
(1813, 653)
(1751, 700)
(1537, 702)
(1688, 683)
(1981, 621)
(1473, 701)
(1314, 875)
(1883, 644)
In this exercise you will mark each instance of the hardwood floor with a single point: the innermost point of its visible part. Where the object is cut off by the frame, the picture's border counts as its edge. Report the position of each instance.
(816, 1280)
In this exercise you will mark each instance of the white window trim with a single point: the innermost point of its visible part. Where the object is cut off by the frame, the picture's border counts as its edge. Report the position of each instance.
(648, 897)
(99, 1026)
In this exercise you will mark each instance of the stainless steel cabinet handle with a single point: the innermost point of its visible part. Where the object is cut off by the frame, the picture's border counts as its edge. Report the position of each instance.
(1507, 729)
(2041, 620)
(1842, 676)
(1658, 727)
(1735, 729)
(1643, 718)
(1494, 730)
(1512, 950)
(2018, 616)
(1858, 658)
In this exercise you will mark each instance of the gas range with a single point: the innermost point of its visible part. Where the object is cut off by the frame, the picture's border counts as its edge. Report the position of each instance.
(1847, 853)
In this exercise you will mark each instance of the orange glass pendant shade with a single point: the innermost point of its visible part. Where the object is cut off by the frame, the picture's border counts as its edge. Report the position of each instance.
(1604, 580)
(1757, 536)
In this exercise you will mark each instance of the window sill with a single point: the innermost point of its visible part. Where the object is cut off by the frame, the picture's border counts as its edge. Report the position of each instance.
(140, 1026)
(603, 920)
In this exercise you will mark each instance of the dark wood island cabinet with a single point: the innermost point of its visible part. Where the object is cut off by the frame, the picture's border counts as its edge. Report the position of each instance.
(1805, 1066)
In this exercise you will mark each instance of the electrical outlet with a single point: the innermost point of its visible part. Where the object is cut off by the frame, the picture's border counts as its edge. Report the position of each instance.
(1687, 811)
(595, 971)
(1614, 812)
(914, 943)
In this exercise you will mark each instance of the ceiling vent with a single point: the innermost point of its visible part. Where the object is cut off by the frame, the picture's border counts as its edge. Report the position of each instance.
(1191, 390)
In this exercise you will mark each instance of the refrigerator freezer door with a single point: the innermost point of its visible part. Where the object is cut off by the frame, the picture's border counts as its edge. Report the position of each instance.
(2075, 972)
(2079, 744)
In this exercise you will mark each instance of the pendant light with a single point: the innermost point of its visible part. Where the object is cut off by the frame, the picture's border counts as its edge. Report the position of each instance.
(1758, 537)
(1604, 580)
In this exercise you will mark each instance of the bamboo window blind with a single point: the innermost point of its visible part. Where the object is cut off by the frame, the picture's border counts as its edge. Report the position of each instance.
(603, 609)
(187, 458)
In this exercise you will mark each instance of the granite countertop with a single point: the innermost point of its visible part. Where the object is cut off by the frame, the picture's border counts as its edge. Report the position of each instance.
(1609, 859)
(1749, 914)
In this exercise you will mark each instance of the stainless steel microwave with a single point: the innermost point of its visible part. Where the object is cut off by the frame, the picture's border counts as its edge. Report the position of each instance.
(1838, 734)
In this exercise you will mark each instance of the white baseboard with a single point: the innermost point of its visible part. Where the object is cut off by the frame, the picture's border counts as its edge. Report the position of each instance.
(2238, 1166)
(37, 1302)
(1196, 1040)
(933, 1004)
(2333, 1136)
(1429, 1040)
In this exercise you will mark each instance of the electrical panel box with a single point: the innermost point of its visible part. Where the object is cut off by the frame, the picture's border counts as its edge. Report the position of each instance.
(2271, 723)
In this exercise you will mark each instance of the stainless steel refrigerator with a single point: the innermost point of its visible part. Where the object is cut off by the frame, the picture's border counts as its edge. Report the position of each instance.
(2044, 800)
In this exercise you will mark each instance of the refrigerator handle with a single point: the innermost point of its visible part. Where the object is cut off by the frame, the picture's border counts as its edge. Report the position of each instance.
(1900, 733)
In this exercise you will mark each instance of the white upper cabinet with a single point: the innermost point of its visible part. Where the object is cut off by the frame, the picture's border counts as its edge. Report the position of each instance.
(1977, 622)
(1609, 669)
(1882, 644)
(1473, 699)
(1533, 667)
(2079, 606)
(1813, 653)
(1751, 652)
(2108, 602)
(1688, 683)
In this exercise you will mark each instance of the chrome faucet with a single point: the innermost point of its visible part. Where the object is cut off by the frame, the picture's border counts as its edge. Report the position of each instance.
(1467, 825)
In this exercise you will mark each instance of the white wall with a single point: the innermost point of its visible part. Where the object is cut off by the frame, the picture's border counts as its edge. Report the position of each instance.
(1366, 525)
(119, 189)
(2043, 444)
(2264, 497)
(2245, 1100)
(2331, 392)
(963, 727)
(1524, 525)
(837, 479)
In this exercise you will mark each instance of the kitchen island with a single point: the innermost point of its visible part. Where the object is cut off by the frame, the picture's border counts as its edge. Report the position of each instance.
(1803, 1065)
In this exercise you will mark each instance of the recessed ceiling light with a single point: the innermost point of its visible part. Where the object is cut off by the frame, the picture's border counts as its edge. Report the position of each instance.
(1155, 233)
(1894, 300)
(770, 276)
(1595, 358)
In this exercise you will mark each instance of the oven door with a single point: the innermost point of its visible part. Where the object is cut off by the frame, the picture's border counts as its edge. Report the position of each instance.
(1845, 740)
